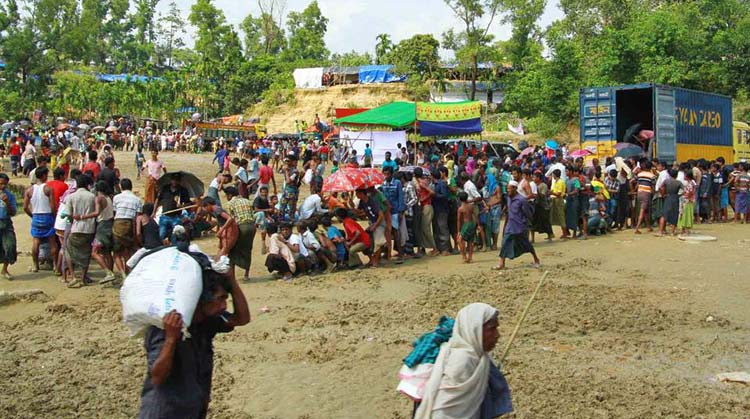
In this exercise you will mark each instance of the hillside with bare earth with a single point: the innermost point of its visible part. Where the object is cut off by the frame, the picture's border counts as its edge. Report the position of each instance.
(307, 102)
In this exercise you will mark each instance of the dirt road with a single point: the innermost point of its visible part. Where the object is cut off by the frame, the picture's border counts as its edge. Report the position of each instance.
(627, 327)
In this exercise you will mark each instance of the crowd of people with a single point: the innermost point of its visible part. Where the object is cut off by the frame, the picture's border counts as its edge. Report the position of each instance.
(432, 200)
(449, 204)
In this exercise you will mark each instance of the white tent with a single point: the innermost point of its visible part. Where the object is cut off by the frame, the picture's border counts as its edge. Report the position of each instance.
(308, 78)
(379, 141)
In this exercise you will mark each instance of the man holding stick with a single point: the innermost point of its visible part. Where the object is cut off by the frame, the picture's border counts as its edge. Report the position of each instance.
(172, 198)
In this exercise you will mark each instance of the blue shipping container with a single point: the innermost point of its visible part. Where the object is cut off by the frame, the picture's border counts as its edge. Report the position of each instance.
(686, 123)
(703, 118)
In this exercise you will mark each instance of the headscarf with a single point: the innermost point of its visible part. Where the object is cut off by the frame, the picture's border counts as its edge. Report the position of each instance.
(471, 166)
(459, 379)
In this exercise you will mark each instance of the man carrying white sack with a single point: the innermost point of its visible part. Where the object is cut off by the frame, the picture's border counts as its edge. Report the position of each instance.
(178, 380)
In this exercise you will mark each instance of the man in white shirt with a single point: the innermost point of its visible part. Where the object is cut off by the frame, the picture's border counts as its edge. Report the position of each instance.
(253, 172)
(663, 175)
(302, 257)
(324, 258)
(312, 205)
(127, 207)
(471, 189)
(556, 165)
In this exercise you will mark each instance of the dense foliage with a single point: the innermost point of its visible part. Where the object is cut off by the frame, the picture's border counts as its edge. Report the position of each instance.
(53, 49)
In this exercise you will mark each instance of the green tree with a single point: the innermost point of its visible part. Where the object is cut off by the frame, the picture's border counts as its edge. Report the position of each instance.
(416, 56)
(306, 32)
(93, 14)
(473, 43)
(172, 28)
(219, 54)
(383, 47)
(264, 34)
(117, 35)
(522, 15)
(351, 59)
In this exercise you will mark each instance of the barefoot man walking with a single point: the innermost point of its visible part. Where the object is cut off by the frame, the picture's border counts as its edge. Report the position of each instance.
(515, 232)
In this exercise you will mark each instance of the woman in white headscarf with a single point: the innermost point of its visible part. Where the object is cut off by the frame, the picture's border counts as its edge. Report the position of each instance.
(464, 383)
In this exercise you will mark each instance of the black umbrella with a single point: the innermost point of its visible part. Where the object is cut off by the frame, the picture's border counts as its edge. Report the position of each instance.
(188, 180)
(630, 151)
(631, 132)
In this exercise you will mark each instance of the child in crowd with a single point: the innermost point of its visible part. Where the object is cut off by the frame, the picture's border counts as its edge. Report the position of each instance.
(334, 234)
(467, 224)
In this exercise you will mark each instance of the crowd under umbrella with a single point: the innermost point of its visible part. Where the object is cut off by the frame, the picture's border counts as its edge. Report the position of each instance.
(188, 180)
(349, 180)
(527, 151)
(552, 145)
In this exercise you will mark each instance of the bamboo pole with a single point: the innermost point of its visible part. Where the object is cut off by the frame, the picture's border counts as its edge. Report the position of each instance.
(179, 209)
(523, 316)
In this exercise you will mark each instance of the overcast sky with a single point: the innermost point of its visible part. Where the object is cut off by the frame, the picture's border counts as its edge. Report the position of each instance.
(354, 24)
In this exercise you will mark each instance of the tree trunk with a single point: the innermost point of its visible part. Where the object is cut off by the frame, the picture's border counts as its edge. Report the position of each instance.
(474, 69)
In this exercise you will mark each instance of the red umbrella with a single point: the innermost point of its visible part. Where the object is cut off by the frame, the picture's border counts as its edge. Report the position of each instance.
(348, 179)
(345, 180)
(373, 176)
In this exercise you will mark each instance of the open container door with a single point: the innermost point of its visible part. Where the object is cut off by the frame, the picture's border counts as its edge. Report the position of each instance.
(598, 112)
(665, 132)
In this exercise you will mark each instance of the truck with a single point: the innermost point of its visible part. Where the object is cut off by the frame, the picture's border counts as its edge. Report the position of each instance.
(214, 130)
(741, 141)
(687, 124)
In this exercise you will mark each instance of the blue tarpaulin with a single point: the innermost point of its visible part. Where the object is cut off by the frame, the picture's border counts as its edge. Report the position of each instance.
(2, 64)
(126, 78)
(378, 74)
(452, 128)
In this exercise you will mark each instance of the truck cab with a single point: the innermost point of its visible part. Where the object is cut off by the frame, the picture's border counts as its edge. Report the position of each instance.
(741, 138)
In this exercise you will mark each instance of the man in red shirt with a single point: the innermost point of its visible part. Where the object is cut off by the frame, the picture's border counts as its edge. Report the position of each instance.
(265, 175)
(58, 185)
(15, 157)
(92, 165)
(357, 239)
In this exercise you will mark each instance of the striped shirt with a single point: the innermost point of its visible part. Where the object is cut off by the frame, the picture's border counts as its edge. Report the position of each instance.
(645, 181)
(126, 205)
(743, 182)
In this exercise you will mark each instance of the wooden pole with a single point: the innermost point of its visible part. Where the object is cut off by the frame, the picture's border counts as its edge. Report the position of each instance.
(523, 316)
(415, 131)
(179, 209)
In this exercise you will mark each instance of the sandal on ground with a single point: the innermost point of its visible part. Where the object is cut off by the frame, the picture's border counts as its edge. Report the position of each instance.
(6, 276)
(498, 268)
(76, 283)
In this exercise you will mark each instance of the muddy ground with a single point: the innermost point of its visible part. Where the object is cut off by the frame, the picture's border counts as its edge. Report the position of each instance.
(626, 327)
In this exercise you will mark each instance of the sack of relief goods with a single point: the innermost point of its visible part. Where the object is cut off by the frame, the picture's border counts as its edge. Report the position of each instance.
(161, 281)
